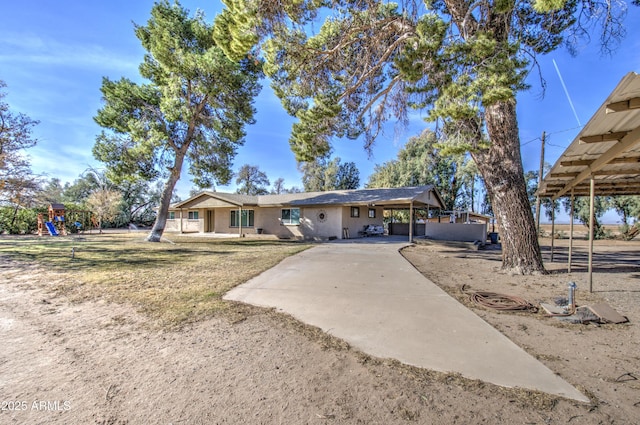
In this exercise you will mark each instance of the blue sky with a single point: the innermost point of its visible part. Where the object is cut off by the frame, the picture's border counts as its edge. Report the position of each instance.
(53, 56)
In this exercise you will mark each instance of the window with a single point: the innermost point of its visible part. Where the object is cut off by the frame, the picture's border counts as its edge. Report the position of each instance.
(193, 215)
(246, 218)
(372, 213)
(355, 211)
(172, 215)
(291, 216)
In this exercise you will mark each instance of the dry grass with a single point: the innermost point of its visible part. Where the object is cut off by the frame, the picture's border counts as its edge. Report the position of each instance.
(174, 283)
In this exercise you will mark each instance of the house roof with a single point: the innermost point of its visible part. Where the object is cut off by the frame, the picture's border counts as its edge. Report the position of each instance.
(607, 148)
(386, 196)
(399, 197)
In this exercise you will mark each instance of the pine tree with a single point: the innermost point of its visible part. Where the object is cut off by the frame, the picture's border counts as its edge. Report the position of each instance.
(193, 107)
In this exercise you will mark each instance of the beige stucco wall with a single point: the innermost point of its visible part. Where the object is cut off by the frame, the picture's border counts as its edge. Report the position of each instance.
(269, 220)
(313, 227)
(356, 224)
(188, 226)
(172, 226)
(223, 221)
(429, 198)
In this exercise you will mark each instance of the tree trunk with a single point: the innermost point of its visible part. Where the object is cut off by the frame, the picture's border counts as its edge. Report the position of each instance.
(165, 200)
(501, 169)
(15, 215)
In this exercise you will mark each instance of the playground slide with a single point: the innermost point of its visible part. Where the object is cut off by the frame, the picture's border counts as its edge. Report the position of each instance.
(51, 228)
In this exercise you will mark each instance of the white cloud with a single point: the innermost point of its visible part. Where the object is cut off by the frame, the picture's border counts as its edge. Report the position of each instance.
(30, 49)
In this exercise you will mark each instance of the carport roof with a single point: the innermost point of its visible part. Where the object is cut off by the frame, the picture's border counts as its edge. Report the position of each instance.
(390, 197)
(607, 148)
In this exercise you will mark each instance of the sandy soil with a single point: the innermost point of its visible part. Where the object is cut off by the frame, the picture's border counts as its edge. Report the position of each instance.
(93, 362)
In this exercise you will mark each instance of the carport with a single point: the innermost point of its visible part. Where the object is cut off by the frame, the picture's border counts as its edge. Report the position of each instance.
(412, 201)
(603, 159)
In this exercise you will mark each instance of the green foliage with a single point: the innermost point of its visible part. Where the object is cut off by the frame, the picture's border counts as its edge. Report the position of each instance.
(50, 193)
(326, 174)
(548, 5)
(17, 183)
(421, 162)
(627, 207)
(138, 199)
(581, 212)
(104, 204)
(80, 189)
(195, 104)
(234, 29)
(628, 232)
(348, 176)
(252, 181)
(194, 107)
(461, 61)
(18, 221)
(369, 62)
(15, 132)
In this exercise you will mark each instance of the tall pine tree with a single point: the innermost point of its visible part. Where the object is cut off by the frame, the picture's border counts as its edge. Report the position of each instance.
(462, 61)
(193, 107)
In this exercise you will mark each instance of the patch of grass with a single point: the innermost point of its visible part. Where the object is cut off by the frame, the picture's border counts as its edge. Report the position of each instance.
(175, 283)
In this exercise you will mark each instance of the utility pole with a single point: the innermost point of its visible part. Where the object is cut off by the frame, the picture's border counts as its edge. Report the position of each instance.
(540, 182)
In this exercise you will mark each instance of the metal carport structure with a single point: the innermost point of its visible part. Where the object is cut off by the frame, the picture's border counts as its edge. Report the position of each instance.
(603, 159)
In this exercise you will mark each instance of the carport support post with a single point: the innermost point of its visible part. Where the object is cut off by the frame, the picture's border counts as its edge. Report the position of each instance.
(411, 221)
(239, 222)
(553, 228)
(592, 189)
(570, 232)
(180, 220)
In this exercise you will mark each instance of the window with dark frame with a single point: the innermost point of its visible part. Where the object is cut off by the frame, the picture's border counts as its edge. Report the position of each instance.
(372, 213)
(290, 216)
(172, 215)
(193, 215)
(355, 212)
(247, 218)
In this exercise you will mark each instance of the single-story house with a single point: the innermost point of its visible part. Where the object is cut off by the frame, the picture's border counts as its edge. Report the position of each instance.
(311, 215)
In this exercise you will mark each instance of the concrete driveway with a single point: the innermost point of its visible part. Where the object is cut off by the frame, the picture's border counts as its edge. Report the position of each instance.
(364, 292)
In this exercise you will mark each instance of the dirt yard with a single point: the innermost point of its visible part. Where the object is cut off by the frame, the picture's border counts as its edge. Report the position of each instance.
(94, 362)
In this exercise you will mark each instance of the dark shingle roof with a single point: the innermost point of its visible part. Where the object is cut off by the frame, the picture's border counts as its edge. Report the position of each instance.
(357, 196)
(334, 197)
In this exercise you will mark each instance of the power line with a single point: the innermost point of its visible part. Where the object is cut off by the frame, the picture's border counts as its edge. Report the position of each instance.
(549, 134)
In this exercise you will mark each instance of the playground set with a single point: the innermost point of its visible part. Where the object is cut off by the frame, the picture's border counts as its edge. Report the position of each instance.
(56, 225)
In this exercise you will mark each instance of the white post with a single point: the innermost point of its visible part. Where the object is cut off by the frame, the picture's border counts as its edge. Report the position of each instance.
(570, 233)
(181, 231)
(411, 222)
(240, 222)
(553, 228)
(592, 189)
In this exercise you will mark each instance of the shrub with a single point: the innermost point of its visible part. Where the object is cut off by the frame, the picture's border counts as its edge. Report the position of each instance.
(19, 221)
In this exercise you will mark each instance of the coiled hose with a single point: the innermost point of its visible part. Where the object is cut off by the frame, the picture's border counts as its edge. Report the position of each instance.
(502, 302)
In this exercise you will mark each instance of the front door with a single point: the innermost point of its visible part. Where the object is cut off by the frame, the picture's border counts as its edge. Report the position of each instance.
(209, 224)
